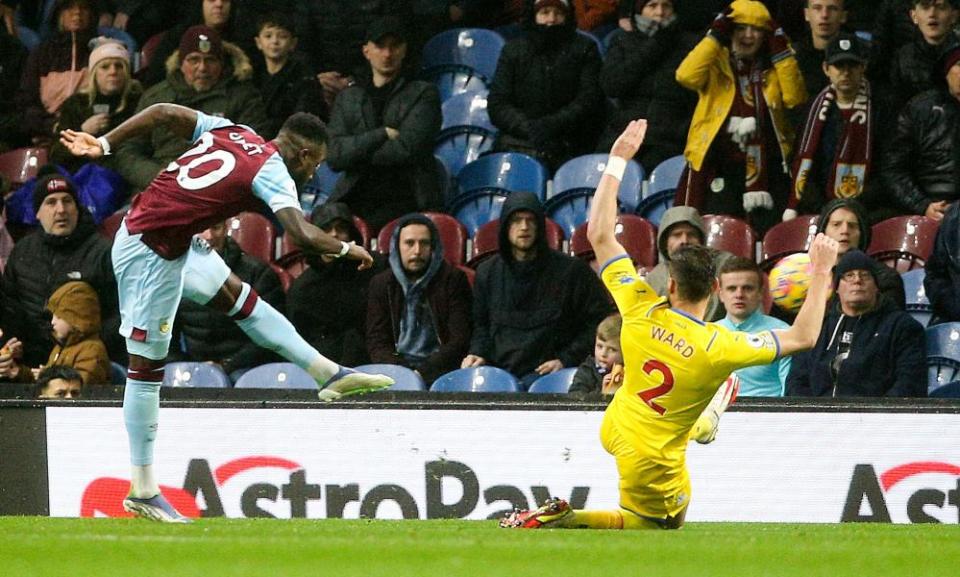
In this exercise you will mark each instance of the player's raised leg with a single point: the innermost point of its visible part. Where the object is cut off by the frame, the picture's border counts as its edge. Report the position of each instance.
(149, 291)
(705, 429)
(208, 281)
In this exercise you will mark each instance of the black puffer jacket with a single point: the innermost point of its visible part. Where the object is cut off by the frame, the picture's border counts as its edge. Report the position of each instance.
(915, 69)
(210, 335)
(886, 357)
(526, 313)
(332, 31)
(640, 72)
(943, 269)
(920, 165)
(545, 96)
(38, 265)
(892, 29)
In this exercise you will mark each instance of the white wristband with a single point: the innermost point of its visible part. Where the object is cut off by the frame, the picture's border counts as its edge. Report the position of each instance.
(344, 248)
(104, 145)
(616, 166)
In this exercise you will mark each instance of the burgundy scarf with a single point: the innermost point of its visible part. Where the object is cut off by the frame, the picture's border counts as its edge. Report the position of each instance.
(851, 164)
(755, 149)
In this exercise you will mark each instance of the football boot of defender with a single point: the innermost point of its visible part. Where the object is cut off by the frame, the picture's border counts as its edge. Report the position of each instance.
(350, 382)
(552, 513)
(156, 508)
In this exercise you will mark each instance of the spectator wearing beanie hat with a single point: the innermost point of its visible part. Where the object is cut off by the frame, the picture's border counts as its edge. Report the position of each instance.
(919, 168)
(206, 74)
(107, 97)
(545, 96)
(867, 347)
(64, 247)
(75, 327)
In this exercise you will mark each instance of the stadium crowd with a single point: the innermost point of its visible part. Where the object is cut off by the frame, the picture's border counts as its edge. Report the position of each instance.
(791, 117)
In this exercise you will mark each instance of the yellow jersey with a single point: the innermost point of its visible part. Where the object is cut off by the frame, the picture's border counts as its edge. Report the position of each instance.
(674, 363)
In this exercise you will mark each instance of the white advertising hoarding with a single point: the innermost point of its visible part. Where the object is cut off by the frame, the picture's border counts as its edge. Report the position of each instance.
(775, 467)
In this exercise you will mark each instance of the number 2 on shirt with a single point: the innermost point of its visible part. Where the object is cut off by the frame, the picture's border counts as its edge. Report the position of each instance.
(649, 395)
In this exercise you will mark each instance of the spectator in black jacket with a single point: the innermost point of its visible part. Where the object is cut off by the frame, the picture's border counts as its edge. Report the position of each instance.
(942, 280)
(418, 313)
(639, 72)
(13, 56)
(866, 348)
(328, 302)
(66, 247)
(915, 66)
(824, 21)
(535, 310)
(892, 29)
(382, 131)
(332, 33)
(919, 170)
(210, 336)
(545, 96)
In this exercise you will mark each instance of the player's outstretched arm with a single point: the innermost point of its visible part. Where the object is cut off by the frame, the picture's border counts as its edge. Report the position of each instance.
(803, 334)
(179, 119)
(311, 239)
(601, 230)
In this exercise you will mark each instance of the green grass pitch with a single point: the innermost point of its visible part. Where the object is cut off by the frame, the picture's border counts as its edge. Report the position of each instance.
(39, 546)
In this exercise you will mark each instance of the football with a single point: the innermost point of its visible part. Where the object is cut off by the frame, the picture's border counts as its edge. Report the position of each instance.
(789, 281)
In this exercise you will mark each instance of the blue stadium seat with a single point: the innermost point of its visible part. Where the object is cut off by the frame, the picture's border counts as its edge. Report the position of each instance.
(570, 209)
(197, 375)
(600, 46)
(320, 187)
(462, 146)
(504, 172)
(653, 206)
(118, 374)
(276, 376)
(583, 174)
(666, 175)
(476, 209)
(477, 380)
(404, 379)
(558, 382)
(466, 109)
(476, 49)
(918, 305)
(943, 360)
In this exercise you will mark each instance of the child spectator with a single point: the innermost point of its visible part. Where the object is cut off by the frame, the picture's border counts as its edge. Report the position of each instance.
(285, 80)
(602, 372)
(76, 328)
(58, 382)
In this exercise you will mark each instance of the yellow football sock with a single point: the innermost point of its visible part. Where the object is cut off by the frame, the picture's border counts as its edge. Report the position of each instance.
(597, 520)
(634, 521)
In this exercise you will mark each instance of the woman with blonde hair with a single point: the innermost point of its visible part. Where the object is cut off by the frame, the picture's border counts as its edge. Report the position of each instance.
(107, 96)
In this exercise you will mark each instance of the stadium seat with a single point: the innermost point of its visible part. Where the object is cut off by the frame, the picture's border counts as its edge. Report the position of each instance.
(476, 380)
(666, 175)
(276, 376)
(610, 36)
(582, 175)
(320, 187)
(109, 226)
(148, 50)
(943, 360)
(466, 109)
(570, 210)
(462, 146)
(476, 209)
(636, 234)
(558, 382)
(22, 164)
(600, 46)
(404, 379)
(487, 240)
(469, 50)
(28, 37)
(453, 236)
(255, 235)
(918, 305)
(197, 375)
(118, 374)
(654, 205)
(503, 173)
(731, 234)
(786, 238)
(903, 242)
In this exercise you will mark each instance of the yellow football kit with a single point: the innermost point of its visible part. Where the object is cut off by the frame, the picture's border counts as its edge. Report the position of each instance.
(674, 364)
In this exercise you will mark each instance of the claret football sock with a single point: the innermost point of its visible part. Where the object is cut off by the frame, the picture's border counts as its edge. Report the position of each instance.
(271, 330)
